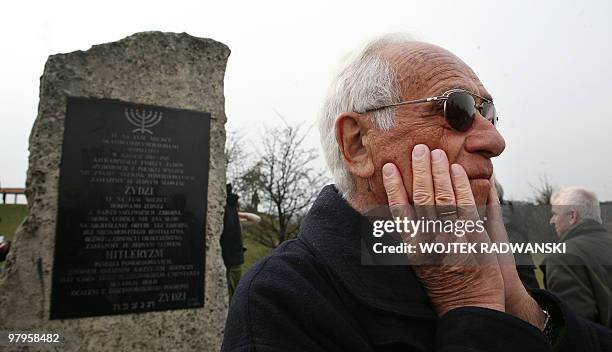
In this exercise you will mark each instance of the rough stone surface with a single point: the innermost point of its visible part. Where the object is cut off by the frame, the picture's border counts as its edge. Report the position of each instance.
(165, 69)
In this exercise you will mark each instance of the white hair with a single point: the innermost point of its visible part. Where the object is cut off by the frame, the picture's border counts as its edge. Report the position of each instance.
(580, 200)
(365, 80)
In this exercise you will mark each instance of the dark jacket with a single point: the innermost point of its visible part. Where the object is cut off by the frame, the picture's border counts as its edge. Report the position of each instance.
(232, 249)
(312, 294)
(582, 277)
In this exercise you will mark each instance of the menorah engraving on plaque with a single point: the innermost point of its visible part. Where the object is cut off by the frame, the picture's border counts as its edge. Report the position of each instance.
(143, 119)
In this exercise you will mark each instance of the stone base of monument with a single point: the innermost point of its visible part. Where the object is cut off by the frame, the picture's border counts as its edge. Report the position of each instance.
(126, 188)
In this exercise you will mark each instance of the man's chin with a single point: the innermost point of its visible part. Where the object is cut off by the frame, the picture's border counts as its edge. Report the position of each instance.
(480, 189)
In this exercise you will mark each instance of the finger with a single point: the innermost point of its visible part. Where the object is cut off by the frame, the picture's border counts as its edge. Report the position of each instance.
(494, 224)
(422, 183)
(497, 233)
(397, 196)
(495, 218)
(466, 205)
(493, 196)
(392, 181)
(443, 187)
(494, 207)
(494, 213)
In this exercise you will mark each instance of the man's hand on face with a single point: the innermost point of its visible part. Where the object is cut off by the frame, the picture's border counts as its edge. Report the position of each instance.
(454, 281)
(478, 280)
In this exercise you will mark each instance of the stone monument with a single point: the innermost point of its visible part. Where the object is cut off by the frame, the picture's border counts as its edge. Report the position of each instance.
(126, 182)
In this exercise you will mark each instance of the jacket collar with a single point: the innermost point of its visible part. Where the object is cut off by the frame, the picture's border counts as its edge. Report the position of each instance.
(333, 230)
(585, 227)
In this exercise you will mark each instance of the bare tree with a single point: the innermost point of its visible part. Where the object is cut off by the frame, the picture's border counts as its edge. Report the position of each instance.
(235, 156)
(543, 192)
(539, 212)
(287, 180)
(239, 166)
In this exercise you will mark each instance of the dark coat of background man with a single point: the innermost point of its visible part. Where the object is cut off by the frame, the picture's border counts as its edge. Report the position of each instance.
(582, 277)
(232, 249)
(313, 294)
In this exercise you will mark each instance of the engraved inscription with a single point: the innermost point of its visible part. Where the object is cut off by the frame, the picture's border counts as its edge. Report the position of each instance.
(132, 209)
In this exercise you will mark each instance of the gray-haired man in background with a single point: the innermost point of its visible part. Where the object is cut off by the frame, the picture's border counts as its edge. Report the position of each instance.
(582, 277)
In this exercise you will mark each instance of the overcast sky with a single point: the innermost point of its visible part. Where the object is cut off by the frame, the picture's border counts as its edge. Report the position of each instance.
(547, 64)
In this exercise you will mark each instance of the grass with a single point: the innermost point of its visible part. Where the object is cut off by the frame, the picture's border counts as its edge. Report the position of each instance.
(537, 260)
(255, 251)
(540, 277)
(11, 216)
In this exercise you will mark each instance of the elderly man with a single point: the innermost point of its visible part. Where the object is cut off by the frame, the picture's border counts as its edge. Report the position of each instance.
(582, 277)
(404, 122)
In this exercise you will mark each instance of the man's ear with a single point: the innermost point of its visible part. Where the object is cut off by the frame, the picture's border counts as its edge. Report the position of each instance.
(574, 217)
(352, 137)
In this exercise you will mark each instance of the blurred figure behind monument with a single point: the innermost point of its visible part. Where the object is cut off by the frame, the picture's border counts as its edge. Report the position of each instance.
(231, 241)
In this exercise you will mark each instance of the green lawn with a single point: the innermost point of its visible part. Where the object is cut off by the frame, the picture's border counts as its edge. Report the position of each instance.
(255, 251)
(11, 216)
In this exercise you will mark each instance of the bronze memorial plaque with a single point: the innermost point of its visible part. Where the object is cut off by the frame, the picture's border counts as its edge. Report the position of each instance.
(132, 209)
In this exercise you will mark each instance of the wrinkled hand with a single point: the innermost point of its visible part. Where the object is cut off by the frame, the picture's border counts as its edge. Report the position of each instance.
(456, 281)
(492, 284)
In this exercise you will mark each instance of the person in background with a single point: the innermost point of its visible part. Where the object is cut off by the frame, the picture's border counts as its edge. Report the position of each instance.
(582, 277)
(232, 249)
(5, 246)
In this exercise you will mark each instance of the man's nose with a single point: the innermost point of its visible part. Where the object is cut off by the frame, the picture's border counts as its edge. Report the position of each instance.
(484, 138)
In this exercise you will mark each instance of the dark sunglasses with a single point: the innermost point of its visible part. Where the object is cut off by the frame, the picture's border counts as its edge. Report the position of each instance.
(459, 108)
